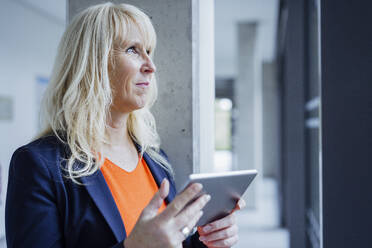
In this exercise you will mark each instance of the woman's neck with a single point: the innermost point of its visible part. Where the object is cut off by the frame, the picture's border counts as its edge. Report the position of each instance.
(117, 130)
(120, 148)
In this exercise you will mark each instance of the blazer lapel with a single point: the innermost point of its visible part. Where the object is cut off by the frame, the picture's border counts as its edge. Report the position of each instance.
(159, 174)
(101, 195)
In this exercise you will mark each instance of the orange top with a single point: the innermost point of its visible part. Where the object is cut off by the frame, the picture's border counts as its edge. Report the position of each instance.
(132, 191)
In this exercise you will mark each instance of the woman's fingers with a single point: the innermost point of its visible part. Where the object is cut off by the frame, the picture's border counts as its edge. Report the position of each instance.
(240, 205)
(221, 234)
(181, 201)
(164, 189)
(195, 219)
(223, 243)
(218, 224)
(161, 230)
(190, 224)
(189, 213)
(152, 208)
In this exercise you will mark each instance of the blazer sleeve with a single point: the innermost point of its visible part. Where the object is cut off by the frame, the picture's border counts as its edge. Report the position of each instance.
(31, 214)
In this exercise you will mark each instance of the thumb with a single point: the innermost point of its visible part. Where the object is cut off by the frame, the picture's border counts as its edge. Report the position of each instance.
(152, 208)
(239, 205)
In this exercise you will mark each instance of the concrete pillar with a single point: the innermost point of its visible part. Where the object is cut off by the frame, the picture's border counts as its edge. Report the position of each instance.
(182, 101)
(247, 140)
(270, 121)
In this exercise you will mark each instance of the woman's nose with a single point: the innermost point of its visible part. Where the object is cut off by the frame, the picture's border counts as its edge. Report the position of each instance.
(148, 66)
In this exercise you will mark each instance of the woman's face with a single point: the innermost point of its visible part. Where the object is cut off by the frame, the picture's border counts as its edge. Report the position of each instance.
(130, 76)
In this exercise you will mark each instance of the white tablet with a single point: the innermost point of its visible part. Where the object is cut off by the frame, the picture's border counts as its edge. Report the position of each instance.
(225, 188)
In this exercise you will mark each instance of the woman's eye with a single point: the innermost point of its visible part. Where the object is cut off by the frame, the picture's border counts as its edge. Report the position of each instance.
(132, 50)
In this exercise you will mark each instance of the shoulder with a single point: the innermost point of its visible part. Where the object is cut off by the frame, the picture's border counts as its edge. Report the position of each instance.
(44, 148)
(42, 145)
(39, 156)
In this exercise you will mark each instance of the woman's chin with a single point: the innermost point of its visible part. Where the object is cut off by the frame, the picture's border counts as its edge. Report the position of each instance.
(139, 105)
(131, 105)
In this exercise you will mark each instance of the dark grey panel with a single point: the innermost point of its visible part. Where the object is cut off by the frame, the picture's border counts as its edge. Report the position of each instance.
(346, 122)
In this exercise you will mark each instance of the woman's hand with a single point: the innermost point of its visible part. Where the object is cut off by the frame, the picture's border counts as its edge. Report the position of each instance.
(165, 229)
(222, 232)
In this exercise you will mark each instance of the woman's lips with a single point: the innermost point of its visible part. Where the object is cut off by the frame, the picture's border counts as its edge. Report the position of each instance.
(142, 84)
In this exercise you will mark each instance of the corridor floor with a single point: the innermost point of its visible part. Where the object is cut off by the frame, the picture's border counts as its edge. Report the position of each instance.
(258, 228)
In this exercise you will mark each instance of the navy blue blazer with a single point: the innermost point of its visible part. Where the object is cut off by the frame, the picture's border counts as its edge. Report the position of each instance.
(45, 209)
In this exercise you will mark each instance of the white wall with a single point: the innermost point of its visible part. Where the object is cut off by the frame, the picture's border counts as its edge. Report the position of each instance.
(28, 43)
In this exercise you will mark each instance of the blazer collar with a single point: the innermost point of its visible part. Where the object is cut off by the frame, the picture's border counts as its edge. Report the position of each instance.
(100, 193)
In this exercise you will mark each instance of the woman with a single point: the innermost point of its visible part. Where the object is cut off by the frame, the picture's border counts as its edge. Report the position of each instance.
(96, 176)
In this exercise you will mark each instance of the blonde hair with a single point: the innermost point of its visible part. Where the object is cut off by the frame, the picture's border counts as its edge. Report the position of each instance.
(77, 100)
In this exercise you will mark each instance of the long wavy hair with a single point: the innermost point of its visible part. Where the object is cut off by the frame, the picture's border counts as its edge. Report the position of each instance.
(78, 98)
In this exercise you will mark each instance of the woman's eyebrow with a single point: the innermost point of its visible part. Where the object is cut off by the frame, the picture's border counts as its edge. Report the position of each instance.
(135, 43)
(138, 44)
